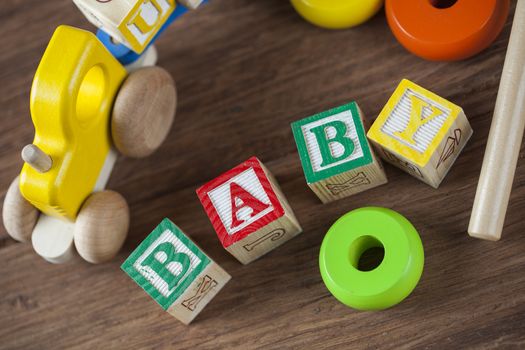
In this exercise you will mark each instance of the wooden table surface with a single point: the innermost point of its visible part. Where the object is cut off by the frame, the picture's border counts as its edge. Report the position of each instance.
(245, 70)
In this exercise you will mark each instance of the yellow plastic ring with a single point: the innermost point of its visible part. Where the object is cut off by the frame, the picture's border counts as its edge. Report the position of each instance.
(337, 14)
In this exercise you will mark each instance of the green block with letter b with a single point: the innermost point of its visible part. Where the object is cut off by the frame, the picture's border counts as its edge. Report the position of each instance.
(336, 157)
(166, 263)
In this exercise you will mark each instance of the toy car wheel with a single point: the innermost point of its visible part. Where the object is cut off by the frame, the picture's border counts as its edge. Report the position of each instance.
(18, 214)
(143, 112)
(101, 226)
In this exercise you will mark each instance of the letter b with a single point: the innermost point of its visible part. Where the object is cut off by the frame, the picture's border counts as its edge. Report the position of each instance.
(324, 142)
(161, 268)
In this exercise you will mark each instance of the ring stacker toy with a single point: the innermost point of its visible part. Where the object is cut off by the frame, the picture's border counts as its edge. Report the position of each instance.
(354, 234)
(505, 137)
(129, 28)
(446, 30)
(337, 14)
(83, 102)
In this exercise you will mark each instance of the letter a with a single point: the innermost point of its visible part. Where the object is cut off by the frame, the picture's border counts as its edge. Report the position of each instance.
(247, 200)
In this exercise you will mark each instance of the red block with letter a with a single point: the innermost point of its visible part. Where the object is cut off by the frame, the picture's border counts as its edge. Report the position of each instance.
(248, 211)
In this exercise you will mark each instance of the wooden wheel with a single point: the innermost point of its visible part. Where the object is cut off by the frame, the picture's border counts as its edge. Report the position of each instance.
(143, 112)
(101, 226)
(18, 214)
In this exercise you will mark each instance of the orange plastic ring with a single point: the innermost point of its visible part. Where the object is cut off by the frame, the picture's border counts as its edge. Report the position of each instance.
(446, 30)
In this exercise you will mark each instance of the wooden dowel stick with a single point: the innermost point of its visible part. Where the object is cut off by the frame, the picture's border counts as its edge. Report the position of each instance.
(504, 142)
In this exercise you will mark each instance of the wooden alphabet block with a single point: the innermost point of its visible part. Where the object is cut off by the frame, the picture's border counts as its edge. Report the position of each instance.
(129, 58)
(336, 157)
(248, 211)
(131, 22)
(420, 132)
(175, 272)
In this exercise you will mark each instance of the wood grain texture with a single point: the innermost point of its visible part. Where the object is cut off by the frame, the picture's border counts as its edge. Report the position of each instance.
(244, 71)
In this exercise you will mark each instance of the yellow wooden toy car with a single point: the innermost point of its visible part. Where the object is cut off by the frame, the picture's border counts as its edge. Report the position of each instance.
(82, 103)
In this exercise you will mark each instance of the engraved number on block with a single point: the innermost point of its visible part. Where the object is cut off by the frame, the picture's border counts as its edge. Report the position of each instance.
(205, 286)
(415, 120)
(272, 236)
(240, 201)
(450, 148)
(359, 179)
(332, 141)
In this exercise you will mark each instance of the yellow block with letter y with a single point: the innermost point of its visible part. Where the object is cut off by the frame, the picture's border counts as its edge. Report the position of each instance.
(413, 123)
(71, 101)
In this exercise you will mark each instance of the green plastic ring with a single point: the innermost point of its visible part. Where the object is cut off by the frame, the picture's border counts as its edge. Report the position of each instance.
(392, 280)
